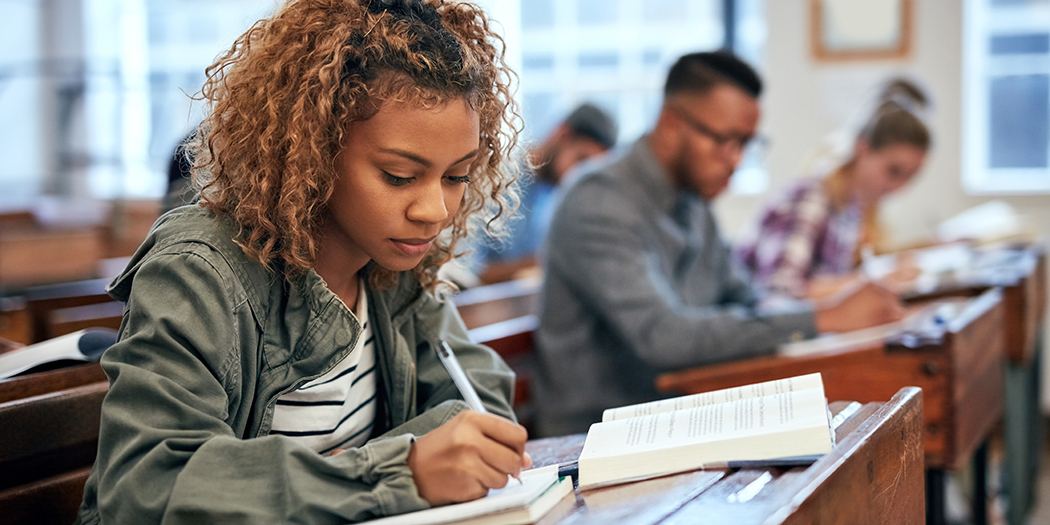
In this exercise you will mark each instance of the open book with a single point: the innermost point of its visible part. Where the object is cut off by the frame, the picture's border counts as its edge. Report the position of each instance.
(783, 421)
(77, 347)
(517, 503)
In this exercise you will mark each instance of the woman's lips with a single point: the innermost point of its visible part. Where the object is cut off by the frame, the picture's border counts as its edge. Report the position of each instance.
(414, 247)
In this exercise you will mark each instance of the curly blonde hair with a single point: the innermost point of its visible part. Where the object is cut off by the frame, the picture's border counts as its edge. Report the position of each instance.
(282, 98)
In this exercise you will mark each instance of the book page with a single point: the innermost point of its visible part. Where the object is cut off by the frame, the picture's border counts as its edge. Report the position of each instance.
(745, 416)
(791, 384)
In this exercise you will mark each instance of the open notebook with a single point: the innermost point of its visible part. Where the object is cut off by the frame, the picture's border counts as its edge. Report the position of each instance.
(781, 422)
(517, 503)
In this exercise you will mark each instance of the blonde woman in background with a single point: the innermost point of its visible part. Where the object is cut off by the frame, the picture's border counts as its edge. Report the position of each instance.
(809, 239)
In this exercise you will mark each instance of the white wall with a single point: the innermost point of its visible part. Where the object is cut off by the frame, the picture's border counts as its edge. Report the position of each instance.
(807, 99)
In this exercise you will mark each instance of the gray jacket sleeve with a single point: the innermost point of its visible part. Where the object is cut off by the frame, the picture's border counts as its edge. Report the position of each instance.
(598, 248)
(166, 452)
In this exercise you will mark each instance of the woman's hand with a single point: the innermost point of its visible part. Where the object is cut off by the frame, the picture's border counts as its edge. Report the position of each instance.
(464, 458)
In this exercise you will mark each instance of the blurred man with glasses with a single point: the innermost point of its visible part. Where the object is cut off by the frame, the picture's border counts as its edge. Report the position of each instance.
(638, 280)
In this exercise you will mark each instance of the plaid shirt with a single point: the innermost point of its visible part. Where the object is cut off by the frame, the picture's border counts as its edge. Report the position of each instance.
(800, 235)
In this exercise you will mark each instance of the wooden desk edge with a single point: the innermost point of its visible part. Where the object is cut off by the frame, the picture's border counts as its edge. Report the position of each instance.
(815, 478)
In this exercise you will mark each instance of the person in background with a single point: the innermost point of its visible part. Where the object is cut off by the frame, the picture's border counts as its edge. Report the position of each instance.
(276, 362)
(809, 240)
(637, 279)
(180, 190)
(587, 132)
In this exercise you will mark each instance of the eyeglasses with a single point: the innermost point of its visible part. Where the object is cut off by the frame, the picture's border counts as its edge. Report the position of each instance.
(727, 143)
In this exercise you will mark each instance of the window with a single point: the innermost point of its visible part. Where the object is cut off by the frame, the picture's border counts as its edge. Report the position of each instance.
(616, 54)
(1006, 94)
(102, 90)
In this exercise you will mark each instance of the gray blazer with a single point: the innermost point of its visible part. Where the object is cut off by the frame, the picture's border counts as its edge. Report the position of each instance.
(638, 282)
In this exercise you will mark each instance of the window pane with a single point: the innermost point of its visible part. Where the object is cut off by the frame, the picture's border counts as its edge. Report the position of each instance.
(537, 14)
(1020, 44)
(1020, 110)
(1017, 2)
(537, 62)
(538, 114)
(665, 10)
(596, 12)
(598, 60)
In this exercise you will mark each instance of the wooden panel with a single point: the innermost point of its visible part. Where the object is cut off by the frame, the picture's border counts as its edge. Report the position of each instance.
(38, 255)
(42, 300)
(495, 303)
(14, 320)
(512, 340)
(128, 225)
(49, 434)
(977, 348)
(52, 501)
(40, 383)
(64, 321)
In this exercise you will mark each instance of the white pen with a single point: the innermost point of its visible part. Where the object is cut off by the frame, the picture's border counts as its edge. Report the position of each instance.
(459, 377)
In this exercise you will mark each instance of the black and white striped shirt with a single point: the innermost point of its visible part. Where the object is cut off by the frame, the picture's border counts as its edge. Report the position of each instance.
(338, 409)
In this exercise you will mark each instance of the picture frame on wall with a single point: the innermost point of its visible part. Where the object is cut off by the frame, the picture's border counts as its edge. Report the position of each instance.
(852, 30)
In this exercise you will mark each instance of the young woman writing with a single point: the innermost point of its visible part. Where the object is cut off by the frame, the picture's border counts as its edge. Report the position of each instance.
(275, 363)
(810, 239)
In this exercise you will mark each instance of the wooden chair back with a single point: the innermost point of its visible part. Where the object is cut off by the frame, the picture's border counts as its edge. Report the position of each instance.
(14, 319)
(47, 448)
(494, 303)
(40, 383)
(62, 321)
(512, 340)
(42, 300)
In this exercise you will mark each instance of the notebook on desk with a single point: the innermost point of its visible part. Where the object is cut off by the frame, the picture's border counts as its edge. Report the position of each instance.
(517, 503)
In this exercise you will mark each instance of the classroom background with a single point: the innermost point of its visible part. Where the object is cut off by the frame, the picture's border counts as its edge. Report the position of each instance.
(95, 95)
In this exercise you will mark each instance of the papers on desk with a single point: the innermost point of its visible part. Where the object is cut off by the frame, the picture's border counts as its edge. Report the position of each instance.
(930, 320)
(842, 342)
(517, 503)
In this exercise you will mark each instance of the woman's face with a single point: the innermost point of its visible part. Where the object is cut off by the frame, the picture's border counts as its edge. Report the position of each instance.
(401, 178)
(880, 172)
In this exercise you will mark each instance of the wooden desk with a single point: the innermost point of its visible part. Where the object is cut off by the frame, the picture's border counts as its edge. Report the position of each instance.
(500, 302)
(959, 366)
(873, 475)
(1021, 273)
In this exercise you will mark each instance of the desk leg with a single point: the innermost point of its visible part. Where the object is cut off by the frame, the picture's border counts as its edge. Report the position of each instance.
(979, 505)
(1023, 434)
(935, 496)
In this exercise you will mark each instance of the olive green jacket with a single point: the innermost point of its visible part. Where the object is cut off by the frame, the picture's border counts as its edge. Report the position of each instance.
(210, 340)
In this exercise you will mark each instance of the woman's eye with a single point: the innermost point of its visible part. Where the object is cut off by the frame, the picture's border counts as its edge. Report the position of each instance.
(462, 179)
(396, 181)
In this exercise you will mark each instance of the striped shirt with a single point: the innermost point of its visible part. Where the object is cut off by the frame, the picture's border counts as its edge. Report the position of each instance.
(800, 235)
(338, 409)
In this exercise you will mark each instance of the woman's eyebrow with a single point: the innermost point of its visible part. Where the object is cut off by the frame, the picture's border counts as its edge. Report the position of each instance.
(420, 160)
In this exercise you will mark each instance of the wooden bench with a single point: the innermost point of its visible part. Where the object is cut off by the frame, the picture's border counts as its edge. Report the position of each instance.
(62, 321)
(42, 300)
(14, 319)
(47, 448)
(494, 303)
(512, 340)
(40, 383)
